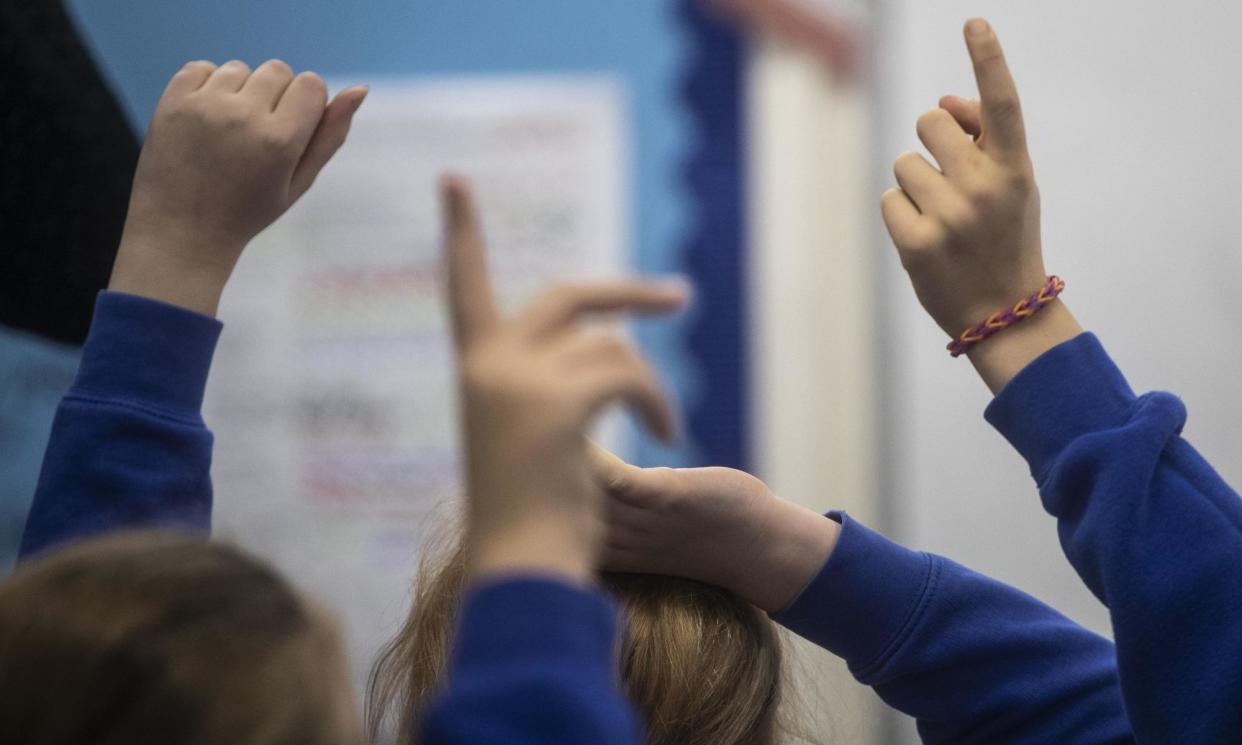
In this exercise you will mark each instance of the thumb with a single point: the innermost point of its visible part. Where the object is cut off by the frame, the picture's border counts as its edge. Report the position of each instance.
(608, 468)
(967, 113)
(328, 138)
(626, 482)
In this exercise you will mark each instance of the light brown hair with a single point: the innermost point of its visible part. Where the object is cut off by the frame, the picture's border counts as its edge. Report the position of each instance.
(702, 666)
(160, 638)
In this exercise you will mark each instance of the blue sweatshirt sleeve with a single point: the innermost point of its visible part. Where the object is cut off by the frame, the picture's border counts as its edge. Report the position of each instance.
(128, 447)
(1152, 530)
(971, 659)
(534, 663)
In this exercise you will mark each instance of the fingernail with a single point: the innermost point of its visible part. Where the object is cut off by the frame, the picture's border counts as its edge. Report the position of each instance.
(977, 27)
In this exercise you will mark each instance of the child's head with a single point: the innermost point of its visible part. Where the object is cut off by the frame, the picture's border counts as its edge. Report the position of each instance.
(157, 638)
(702, 666)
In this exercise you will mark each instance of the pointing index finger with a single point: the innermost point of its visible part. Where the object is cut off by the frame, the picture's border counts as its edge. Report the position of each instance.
(471, 305)
(1003, 129)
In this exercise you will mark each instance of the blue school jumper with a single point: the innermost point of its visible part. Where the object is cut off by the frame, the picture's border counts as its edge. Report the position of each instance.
(1152, 530)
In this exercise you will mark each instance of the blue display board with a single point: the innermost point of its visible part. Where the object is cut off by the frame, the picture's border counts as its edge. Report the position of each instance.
(680, 66)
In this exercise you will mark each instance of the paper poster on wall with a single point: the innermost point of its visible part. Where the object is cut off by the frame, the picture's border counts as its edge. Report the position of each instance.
(332, 397)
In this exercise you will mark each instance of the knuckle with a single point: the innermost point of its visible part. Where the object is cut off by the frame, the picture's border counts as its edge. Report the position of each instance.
(929, 121)
(197, 66)
(959, 218)
(237, 64)
(279, 65)
(891, 200)
(905, 162)
(274, 140)
(315, 83)
(1020, 181)
(923, 243)
(902, 163)
(907, 158)
(980, 192)
(181, 113)
(232, 118)
(1005, 108)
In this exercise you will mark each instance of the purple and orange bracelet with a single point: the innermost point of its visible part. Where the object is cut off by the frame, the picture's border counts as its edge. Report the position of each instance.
(1003, 319)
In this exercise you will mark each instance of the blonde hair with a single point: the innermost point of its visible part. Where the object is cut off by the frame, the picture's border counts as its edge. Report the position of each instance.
(148, 637)
(702, 666)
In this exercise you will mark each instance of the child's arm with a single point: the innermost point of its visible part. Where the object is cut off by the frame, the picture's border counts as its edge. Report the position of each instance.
(228, 151)
(534, 657)
(1149, 526)
(972, 659)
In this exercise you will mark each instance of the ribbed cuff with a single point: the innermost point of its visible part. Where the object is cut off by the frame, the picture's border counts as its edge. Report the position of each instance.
(147, 352)
(1070, 390)
(864, 600)
(534, 621)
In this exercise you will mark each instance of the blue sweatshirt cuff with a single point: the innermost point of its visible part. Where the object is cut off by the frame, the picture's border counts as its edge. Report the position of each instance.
(1071, 390)
(865, 599)
(521, 621)
(147, 352)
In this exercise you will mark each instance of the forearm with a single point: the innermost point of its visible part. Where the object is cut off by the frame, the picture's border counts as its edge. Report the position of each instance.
(1004, 355)
(128, 447)
(790, 547)
(1153, 531)
(552, 547)
(972, 659)
(182, 269)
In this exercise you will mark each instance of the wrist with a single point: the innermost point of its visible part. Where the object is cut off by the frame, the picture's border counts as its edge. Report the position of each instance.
(551, 546)
(1004, 355)
(174, 270)
(795, 544)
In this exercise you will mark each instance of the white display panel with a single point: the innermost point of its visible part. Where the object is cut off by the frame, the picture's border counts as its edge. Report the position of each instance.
(332, 396)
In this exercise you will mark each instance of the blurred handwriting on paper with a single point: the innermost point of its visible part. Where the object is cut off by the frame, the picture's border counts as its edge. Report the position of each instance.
(332, 395)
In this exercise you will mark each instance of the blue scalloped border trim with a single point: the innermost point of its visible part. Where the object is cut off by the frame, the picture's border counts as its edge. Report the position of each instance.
(714, 252)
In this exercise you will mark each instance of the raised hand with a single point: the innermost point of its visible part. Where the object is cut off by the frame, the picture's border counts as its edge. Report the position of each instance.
(227, 152)
(530, 387)
(968, 229)
(716, 525)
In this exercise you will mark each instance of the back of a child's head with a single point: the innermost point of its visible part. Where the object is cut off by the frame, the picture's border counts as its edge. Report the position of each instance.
(159, 638)
(702, 666)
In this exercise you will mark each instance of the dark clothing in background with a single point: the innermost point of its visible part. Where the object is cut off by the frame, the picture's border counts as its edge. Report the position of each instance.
(67, 158)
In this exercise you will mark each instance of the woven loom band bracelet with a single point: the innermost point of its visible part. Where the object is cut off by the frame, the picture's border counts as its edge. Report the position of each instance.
(996, 320)
(1003, 319)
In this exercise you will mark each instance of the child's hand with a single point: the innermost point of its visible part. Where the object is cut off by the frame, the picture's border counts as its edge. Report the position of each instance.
(530, 387)
(228, 151)
(968, 232)
(716, 525)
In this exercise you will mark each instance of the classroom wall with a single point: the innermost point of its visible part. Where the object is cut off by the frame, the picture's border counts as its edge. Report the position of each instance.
(638, 45)
(140, 43)
(814, 393)
(1132, 111)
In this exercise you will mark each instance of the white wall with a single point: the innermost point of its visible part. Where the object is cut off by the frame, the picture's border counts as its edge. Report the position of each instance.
(814, 385)
(1133, 110)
